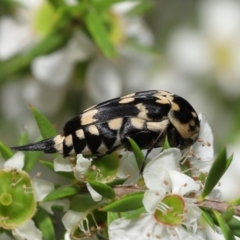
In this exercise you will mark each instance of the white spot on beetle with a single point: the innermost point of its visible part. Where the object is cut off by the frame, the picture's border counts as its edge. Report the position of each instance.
(59, 143)
(80, 134)
(88, 117)
(142, 111)
(126, 100)
(68, 141)
(157, 126)
(115, 124)
(137, 123)
(93, 130)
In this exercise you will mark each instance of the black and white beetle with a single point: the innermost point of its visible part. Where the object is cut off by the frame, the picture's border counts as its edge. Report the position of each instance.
(147, 117)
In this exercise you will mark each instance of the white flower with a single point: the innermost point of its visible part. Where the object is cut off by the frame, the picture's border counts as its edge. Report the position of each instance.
(27, 230)
(128, 169)
(63, 203)
(82, 165)
(167, 208)
(73, 219)
(213, 48)
(42, 188)
(16, 161)
(202, 153)
(61, 164)
(54, 69)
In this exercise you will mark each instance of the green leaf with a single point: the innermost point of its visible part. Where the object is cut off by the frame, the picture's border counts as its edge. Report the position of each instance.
(5, 151)
(228, 215)
(141, 8)
(137, 152)
(234, 224)
(46, 128)
(117, 181)
(111, 216)
(107, 165)
(166, 144)
(50, 166)
(127, 203)
(227, 233)
(61, 193)
(23, 138)
(104, 5)
(135, 214)
(83, 202)
(208, 218)
(98, 30)
(235, 202)
(101, 188)
(45, 224)
(217, 170)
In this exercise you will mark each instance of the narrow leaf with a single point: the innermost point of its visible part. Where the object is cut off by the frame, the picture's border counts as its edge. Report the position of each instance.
(98, 30)
(135, 214)
(101, 188)
(117, 181)
(111, 216)
(5, 151)
(229, 161)
(128, 203)
(227, 216)
(46, 128)
(234, 224)
(217, 170)
(227, 233)
(61, 193)
(137, 152)
(45, 225)
(141, 8)
(166, 144)
(23, 138)
(208, 218)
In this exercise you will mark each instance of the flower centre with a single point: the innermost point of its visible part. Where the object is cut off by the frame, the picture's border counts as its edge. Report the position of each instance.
(170, 210)
(6, 199)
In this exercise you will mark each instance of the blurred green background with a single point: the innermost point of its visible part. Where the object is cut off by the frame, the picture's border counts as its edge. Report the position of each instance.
(64, 56)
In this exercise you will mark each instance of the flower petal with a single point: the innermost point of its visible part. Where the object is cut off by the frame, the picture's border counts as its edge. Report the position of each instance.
(42, 188)
(28, 231)
(71, 219)
(62, 164)
(128, 169)
(155, 173)
(95, 195)
(64, 203)
(181, 183)
(143, 228)
(151, 200)
(81, 167)
(205, 152)
(16, 161)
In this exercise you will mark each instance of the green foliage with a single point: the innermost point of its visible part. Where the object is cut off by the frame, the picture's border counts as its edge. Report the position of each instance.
(137, 152)
(45, 224)
(61, 193)
(219, 167)
(127, 203)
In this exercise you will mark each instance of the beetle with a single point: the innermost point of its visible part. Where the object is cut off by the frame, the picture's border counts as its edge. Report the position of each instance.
(148, 117)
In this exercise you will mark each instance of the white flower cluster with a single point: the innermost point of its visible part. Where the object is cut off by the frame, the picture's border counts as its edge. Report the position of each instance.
(169, 200)
(170, 212)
